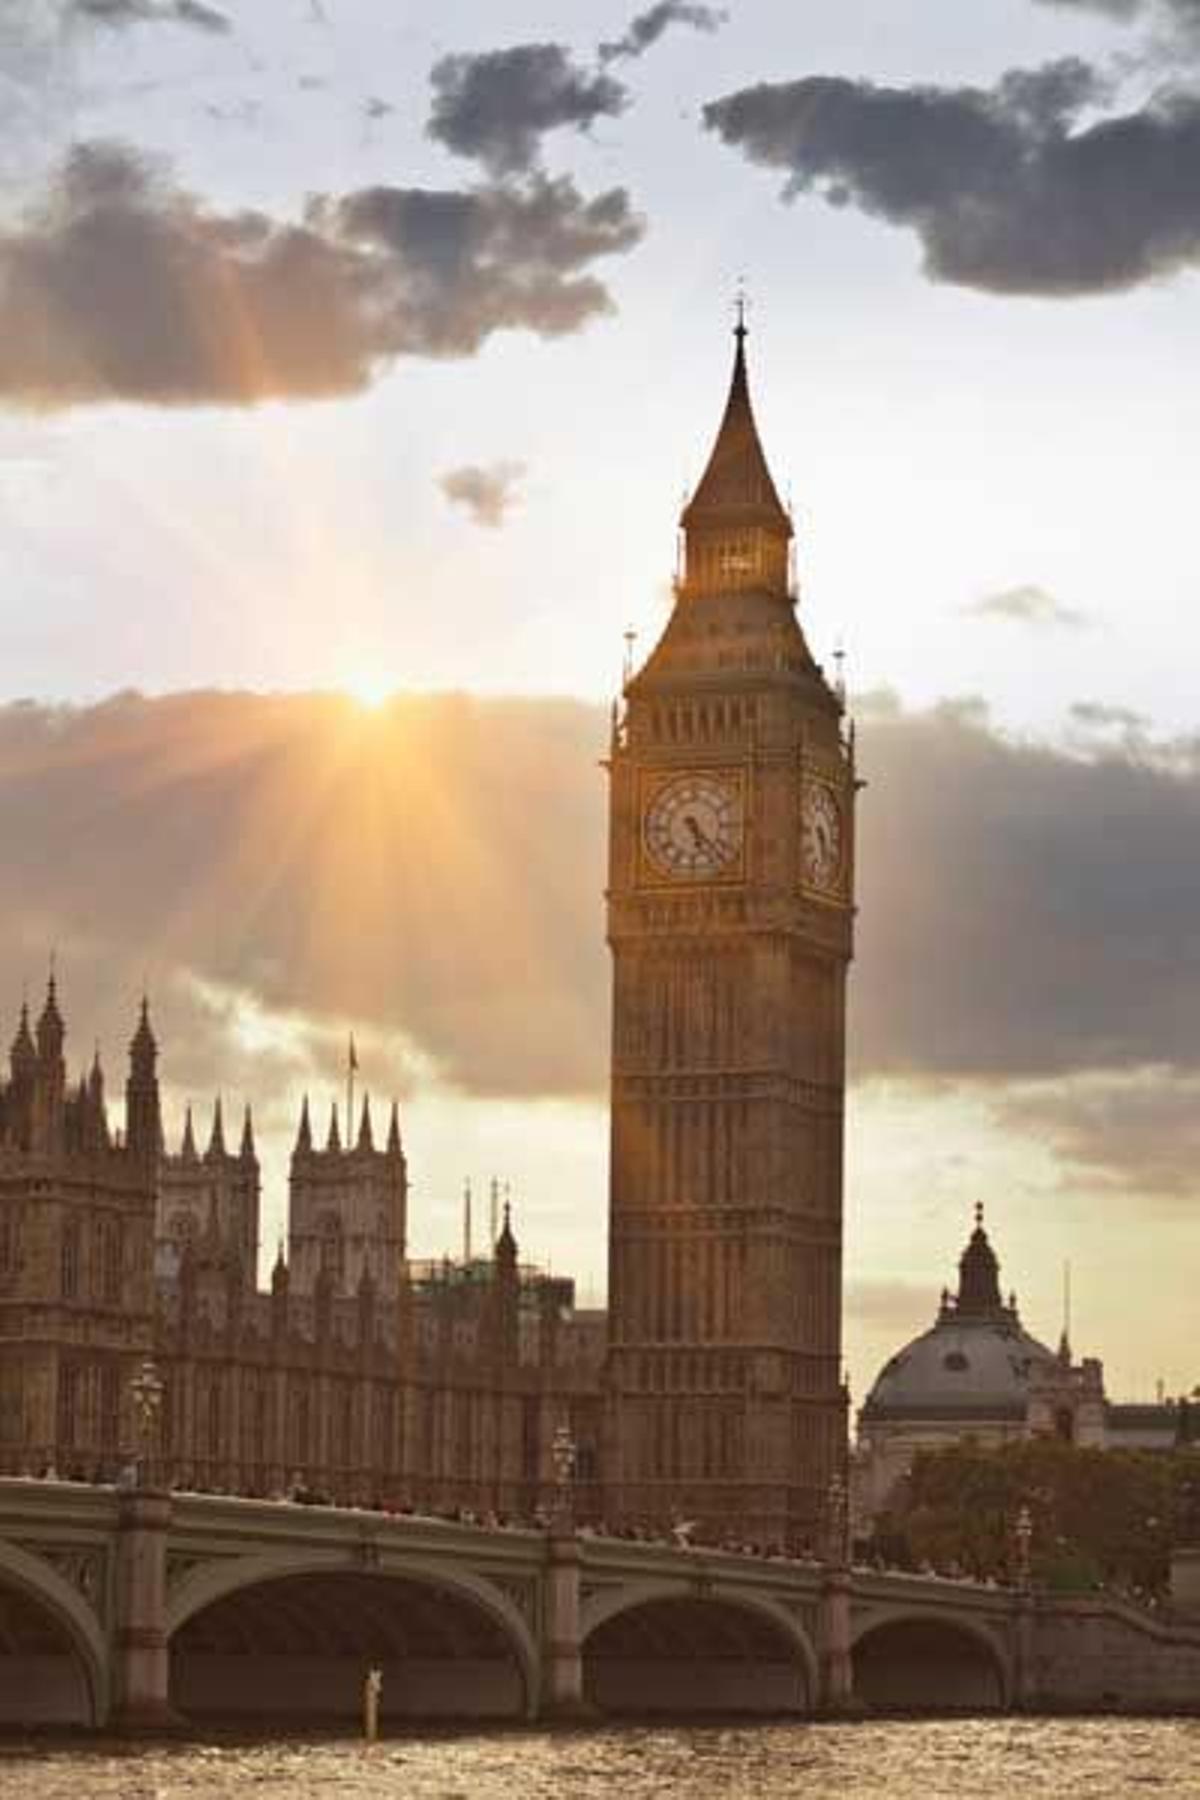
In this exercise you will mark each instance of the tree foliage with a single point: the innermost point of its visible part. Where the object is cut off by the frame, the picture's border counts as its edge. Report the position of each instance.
(1100, 1518)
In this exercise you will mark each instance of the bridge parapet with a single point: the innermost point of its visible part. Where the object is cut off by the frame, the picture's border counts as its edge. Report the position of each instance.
(120, 1576)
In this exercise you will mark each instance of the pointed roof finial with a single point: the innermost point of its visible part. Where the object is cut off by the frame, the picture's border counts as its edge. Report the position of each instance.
(334, 1140)
(143, 1050)
(187, 1148)
(22, 1047)
(979, 1273)
(736, 489)
(741, 305)
(393, 1136)
(247, 1149)
(304, 1134)
(506, 1243)
(50, 1029)
(216, 1142)
(366, 1136)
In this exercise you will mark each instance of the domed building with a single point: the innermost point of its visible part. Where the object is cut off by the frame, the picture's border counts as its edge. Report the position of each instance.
(976, 1373)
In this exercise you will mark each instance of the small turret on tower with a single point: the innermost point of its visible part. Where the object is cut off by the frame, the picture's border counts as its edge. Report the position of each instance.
(247, 1151)
(348, 1207)
(143, 1107)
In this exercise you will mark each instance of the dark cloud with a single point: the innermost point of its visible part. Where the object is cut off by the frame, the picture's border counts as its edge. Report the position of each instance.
(1026, 605)
(1026, 911)
(486, 494)
(1136, 1135)
(150, 12)
(125, 287)
(646, 29)
(1030, 187)
(497, 106)
(1028, 914)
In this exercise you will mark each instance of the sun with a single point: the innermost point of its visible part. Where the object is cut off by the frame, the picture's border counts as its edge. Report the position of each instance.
(370, 687)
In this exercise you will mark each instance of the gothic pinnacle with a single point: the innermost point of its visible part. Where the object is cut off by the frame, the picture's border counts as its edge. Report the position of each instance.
(216, 1143)
(247, 1148)
(304, 1135)
(334, 1140)
(366, 1140)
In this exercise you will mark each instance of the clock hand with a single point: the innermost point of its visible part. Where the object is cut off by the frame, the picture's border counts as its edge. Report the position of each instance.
(700, 838)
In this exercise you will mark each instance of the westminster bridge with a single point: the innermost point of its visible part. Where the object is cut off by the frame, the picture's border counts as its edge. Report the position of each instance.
(130, 1609)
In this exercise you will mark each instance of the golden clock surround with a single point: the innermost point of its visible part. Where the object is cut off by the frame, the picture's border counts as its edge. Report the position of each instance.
(653, 785)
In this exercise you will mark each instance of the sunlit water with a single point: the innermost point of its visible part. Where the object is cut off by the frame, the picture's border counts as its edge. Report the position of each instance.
(977, 1760)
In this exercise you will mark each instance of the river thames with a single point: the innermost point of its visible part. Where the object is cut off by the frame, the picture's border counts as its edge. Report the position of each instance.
(974, 1759)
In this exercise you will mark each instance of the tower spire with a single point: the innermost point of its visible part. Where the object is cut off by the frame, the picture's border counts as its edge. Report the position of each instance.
(736, 527)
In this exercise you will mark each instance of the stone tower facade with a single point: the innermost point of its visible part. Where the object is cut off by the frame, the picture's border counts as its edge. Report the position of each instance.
(348, 1218)
(210, 1201)
(730, 907)
(76, 1250)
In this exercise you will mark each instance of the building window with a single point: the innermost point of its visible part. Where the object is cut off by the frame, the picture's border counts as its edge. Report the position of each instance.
(68, 1404)
(111, 1260)
(70, 1259)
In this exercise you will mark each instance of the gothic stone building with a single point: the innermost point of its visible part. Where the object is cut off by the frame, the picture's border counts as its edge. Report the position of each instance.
(358, 1376)
(713, 1390)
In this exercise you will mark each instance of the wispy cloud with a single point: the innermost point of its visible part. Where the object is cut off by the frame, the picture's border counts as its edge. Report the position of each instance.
(150, 12)
(486, 494)
(646, 29)
(1027, 604)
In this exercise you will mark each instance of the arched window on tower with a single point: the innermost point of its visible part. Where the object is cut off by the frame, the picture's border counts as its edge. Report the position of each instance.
(70, 1259)
(333, 1249)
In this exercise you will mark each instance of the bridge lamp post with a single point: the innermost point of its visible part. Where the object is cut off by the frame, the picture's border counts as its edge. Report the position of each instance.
(1023, 1531)
(839, 1523)
(146, 1390)
(563, 1454)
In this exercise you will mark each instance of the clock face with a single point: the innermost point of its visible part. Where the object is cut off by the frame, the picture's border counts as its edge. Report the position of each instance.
(693, 827)
(822, 837)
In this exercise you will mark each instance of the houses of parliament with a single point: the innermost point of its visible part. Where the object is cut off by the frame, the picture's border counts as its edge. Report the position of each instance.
(711, 1388)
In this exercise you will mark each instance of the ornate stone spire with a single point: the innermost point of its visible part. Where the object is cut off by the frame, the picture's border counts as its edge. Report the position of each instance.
(366, 1138)
(23, 1055)
(247, 1152)
(506, 1243)
(50, 1028)
(143, 1113)
(216, 1142)
(393, 1136)
(334, 1140)
(187, 1148)
(736, 527)
(304, 1135)
(143, 1050)
(979, 1275)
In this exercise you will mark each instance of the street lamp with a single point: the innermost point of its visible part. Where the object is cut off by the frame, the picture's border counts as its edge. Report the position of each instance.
(1023, 1531)
(839, 1517)
(563, 1455)
(146, 1390)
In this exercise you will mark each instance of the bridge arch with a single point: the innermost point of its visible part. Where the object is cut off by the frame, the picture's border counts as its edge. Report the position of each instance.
(53, 1654)
(300, 1631)
(921, 1659)
(684, 1647)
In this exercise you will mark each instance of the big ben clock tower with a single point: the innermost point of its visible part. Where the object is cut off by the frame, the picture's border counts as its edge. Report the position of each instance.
(730, 912)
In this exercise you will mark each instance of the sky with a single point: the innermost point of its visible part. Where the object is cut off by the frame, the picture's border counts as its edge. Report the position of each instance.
(354, 360)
